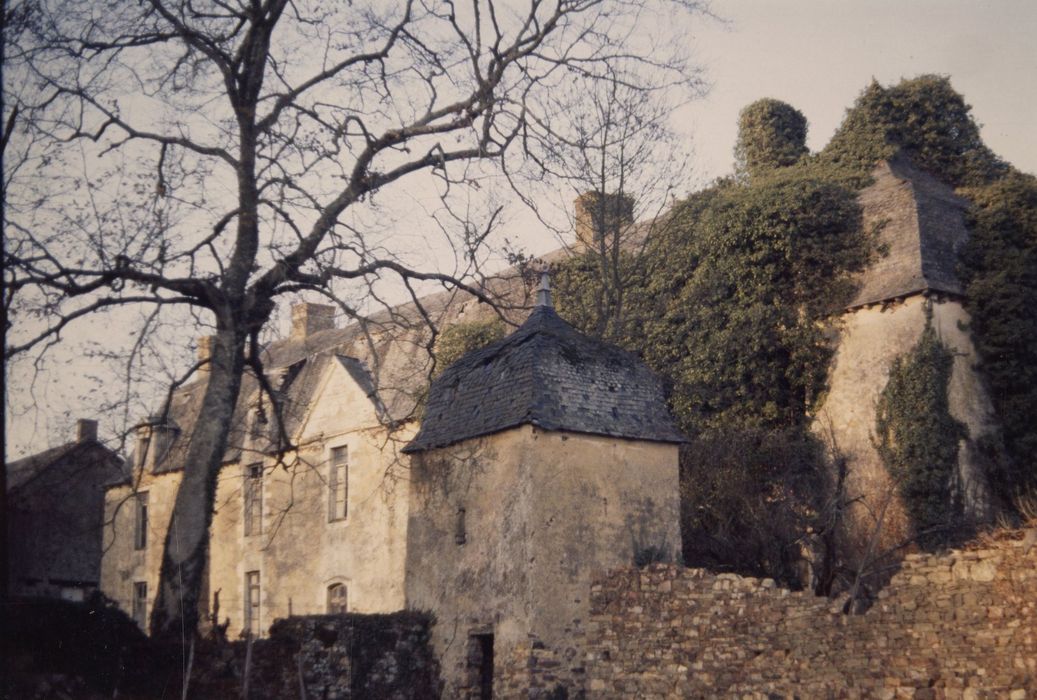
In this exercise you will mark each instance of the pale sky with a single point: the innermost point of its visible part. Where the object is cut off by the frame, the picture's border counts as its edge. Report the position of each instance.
(816, 55)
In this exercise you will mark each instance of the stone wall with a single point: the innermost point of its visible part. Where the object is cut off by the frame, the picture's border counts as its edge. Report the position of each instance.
(959, 625)
(333, 657)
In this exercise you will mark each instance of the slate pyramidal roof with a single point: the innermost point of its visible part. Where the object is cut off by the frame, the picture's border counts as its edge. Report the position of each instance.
(549, 375)
(921, 225)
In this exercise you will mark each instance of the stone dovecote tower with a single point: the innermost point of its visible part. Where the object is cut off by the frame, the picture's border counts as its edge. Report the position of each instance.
(543, 460)
(921, 229)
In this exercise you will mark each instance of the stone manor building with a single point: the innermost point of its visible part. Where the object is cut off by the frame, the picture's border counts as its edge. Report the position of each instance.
(530, 467)
(542, 461)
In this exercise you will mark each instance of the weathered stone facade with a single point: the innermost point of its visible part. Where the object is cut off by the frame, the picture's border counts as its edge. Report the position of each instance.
(958, 625)
(544, 514)
(296, 547)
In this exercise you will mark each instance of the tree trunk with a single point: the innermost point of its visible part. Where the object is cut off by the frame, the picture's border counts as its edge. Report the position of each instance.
(174, 617)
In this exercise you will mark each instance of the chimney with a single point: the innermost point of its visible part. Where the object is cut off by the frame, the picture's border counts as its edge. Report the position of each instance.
(596, 214)
(205, 344)
(307, 319)
(86, 430)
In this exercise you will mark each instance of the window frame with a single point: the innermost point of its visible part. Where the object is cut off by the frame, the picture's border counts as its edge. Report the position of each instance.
(140, 603)
(332, 589)
(338, 461)
(253, 604)
(140, 521)
(252, 500)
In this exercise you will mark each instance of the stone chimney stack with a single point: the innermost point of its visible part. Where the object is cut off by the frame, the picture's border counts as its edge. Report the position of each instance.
(307, 319)
(596, 214)
(86, 430)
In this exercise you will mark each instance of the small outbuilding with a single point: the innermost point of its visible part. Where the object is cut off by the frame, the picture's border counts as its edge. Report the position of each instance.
(55, 502)
(543, 460)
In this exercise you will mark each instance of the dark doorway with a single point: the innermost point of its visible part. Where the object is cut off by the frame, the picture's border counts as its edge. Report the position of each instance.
(480, 664)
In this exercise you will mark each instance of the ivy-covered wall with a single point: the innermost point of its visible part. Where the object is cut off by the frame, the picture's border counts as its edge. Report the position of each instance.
(917, 439)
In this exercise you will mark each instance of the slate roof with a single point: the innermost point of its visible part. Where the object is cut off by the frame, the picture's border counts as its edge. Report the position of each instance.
(387, 357)
(549, 375)
(89, 453)
(922, 227)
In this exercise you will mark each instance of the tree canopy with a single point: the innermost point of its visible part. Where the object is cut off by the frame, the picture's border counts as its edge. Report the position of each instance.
(204, 161)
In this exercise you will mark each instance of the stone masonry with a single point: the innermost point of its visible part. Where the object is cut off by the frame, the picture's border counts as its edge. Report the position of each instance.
(957, 625)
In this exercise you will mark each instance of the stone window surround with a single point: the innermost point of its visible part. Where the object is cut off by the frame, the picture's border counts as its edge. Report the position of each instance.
(337, 594)
(252, 499)
(140, 520)
(338, 508)
(252, 603)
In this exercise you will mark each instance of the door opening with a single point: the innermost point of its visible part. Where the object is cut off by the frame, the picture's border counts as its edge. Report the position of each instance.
(480, 665)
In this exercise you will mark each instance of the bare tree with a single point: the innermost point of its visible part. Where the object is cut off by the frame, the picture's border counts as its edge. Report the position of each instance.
(204, 159)
(623, 163)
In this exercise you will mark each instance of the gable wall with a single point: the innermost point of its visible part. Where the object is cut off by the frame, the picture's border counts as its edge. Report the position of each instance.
(122, 564)
(299, 553)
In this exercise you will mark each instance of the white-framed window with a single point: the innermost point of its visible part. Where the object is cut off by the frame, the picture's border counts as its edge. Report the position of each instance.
(338, 484)
(140, 604)
(140, 520)
(337, 599)
(253, 499)
(252, 592)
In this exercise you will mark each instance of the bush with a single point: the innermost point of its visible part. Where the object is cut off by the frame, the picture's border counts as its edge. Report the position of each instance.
(93, 642)
(748, 499)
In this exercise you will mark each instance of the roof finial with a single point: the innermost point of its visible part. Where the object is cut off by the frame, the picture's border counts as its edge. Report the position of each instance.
(544, 293)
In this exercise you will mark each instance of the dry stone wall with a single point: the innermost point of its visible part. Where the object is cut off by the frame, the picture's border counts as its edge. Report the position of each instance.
(959, 625)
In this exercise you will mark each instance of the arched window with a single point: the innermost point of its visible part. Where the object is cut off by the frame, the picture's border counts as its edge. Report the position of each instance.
(336, 598)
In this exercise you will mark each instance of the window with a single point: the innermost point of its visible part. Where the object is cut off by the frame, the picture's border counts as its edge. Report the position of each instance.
(251, 626)
(336, 598)
(140, 604)
(338, 483)
(140, 521)
(480, 666)
(460, 531)
(253, 499)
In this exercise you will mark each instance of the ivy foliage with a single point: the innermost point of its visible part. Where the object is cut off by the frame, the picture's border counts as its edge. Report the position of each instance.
(741, 335)
(581, 297)
(771, 134)
(731, 299)
(1000, 271)
(926, 120)
(460, 338)
(728, 304)
(917, 438)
